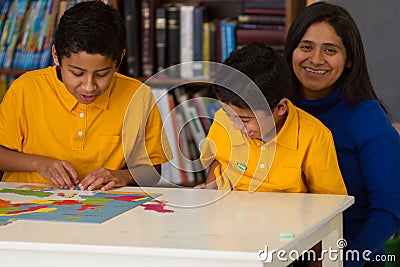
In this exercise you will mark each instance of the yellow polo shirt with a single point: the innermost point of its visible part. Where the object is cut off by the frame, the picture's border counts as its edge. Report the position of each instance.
(38, 115)
(301, 158)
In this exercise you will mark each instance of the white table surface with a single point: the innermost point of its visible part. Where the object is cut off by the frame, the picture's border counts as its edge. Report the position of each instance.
(207, 228)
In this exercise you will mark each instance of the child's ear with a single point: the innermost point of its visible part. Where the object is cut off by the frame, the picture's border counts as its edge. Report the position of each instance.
(282, 107)
(54, 54)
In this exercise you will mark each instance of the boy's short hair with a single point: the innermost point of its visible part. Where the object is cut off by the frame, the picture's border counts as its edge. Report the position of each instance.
(265, 67)
(92, 27)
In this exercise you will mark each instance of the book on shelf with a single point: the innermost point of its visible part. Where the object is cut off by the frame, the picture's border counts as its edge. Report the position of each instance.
(202, 100)
(173, 36)
(177, 130)
(262, 19)
(270, 37)
(198, 20)
(191, 116)
(44, 57)
(3, 85)
(271, 4)
(5, 5)
(147, 36)
(186, 40)
(161, 38)
(206, 47)
(228, 37)
(132, 19)
(21, 51)
(183, 148)
(63, 5)
(171, 169)
(213, 41)
(264, 11)
(16, 20)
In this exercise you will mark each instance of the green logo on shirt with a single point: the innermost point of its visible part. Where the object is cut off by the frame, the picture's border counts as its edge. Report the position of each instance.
(241, 166)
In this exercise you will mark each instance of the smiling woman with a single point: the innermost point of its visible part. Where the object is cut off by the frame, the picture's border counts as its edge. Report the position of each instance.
(319, 60)
(325, 52)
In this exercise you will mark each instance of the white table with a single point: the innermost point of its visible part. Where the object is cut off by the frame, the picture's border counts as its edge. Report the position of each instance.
(229, 231)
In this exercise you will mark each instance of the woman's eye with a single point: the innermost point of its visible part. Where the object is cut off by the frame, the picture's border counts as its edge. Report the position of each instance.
(77, 74)
(305, 47)
(330, 50)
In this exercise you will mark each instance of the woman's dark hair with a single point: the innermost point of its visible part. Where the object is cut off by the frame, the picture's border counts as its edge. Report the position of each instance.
(92, 27)
(268, 78)
(354, 82)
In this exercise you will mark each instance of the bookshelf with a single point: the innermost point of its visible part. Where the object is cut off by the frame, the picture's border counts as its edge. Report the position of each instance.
(156, 49)
(215, 10)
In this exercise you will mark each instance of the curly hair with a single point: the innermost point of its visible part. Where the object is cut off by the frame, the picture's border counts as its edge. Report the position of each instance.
(92, 27)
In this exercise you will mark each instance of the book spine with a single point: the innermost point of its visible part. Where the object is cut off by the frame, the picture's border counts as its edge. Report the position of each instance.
(186, 53)
(171, 171)
(270, 37)
(16, 24)
(161, 38)
(3, 13)
(173, 38)
(264, 11)
(213, 41)
(265, 5)
(44, 57)
(147, 37)
(230, 37)
(132, 25)
(198, 19)
(6, 32)
(261, 19)
(42, 28)
(177, 131)
(222, 36)
(206, 53)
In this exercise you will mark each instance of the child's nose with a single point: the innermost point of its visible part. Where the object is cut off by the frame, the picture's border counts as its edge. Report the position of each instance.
(89, 85)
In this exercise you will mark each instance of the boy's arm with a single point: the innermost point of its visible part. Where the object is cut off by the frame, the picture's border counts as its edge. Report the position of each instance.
(211, 182)
(60, 172)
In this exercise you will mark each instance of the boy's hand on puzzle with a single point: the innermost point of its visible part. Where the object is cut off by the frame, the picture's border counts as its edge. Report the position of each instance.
(60, 172)
(105, 179)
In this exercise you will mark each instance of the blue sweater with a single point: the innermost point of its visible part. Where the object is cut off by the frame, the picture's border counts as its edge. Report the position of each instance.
(368, 150)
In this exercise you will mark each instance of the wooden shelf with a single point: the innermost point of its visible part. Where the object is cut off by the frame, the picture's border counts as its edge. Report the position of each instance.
(12, 71)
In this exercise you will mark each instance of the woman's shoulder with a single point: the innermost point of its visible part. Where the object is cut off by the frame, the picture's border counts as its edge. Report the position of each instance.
(368, 119)
(368, 111)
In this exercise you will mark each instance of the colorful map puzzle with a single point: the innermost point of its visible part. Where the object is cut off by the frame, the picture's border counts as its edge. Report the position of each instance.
(32, 202)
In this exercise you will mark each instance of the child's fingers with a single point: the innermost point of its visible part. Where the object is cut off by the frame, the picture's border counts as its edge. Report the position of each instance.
(71, 172)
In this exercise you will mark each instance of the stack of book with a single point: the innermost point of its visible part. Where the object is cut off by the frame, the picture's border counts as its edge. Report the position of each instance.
(262, 22)
(27, 29)
(162, 35)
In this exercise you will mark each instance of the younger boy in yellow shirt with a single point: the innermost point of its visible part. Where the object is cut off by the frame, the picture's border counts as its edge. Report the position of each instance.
(255, 148)
(68, 124)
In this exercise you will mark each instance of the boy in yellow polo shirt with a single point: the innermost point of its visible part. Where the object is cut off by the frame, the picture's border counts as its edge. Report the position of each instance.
(66, 124)
(255, 148)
